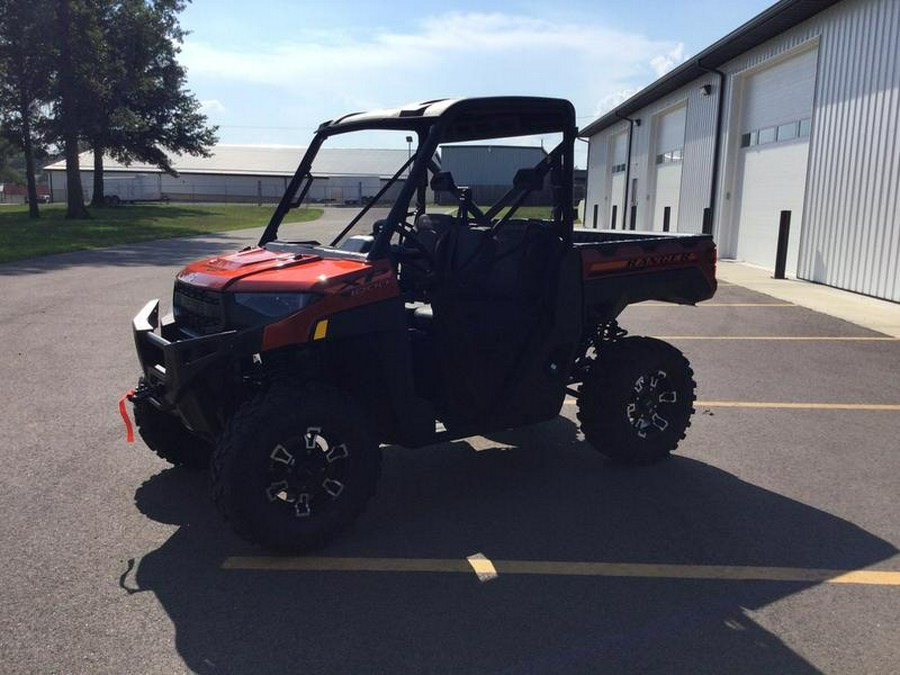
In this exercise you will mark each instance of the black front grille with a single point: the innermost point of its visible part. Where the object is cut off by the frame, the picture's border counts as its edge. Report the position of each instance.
(198, 310)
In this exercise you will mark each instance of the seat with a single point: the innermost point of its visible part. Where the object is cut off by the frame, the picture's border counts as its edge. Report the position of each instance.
(431, 228)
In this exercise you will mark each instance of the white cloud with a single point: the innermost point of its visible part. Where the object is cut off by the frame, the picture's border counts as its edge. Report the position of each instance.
(452, 52)
(212, 107)
(271, 89)
(610, 101)
(666, 62)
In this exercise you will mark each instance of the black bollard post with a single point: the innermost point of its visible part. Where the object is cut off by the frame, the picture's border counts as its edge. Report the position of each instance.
(707, 221)
(784, 233)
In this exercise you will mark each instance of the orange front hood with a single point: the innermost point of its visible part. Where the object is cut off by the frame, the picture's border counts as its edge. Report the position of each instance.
(259, 270)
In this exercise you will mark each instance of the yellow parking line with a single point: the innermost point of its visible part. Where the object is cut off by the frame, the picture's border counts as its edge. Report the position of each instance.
(799, 406)
(774, 337)
(716, 304)
(346, 564)
(483, 567)
(892, 407)
(550, 568)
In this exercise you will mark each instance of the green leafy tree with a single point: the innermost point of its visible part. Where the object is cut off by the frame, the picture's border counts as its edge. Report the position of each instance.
(144, 111)
(99, 72)
(26, 61)
(8, 172)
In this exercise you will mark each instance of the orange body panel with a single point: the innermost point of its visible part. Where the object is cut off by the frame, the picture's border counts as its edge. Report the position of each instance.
(343, 284)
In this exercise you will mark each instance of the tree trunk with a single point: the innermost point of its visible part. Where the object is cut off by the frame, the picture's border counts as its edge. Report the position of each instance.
(74, 194)
(98, 198)
(28, 149)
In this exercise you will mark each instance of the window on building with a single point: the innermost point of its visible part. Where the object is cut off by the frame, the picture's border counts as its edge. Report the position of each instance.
(783, 132)
(670, 156)
(788, 131)
(618, 168)
(767, 135)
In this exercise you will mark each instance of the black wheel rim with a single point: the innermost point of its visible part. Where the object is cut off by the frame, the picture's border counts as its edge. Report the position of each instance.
(307, 473)
(651, 405)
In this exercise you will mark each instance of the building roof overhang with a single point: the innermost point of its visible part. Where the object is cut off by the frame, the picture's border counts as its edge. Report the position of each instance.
(772, 22)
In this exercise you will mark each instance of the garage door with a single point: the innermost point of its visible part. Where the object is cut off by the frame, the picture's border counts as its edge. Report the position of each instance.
(772, 160)
(773, 181)
(618, 151)
(669, 145)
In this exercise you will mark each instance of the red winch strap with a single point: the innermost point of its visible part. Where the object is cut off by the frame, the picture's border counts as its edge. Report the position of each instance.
(129, 431)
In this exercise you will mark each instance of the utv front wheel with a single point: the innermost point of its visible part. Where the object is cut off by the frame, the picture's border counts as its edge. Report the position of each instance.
(168, 438)
(293, 468)
(637, 400)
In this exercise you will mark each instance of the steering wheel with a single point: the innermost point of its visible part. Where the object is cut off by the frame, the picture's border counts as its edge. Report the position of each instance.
(418, 256)
(408, 235)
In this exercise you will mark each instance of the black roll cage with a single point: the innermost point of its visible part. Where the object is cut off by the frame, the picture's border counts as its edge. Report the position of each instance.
(441, 121)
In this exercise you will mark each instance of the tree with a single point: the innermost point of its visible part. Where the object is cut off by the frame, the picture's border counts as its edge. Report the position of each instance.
(8, 172)
(25, 63)
(108, 71)
(78, 45)
(145, 111)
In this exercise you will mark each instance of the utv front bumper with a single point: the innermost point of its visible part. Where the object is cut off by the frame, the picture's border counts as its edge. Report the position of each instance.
(188, 375)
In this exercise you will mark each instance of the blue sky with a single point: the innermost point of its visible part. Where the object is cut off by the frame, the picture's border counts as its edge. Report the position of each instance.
(269, 71)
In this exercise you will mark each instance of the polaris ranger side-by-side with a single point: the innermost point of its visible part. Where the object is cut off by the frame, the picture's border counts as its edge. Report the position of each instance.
(286, 365)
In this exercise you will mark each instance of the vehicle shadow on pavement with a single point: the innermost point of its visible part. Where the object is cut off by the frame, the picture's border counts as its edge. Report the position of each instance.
(537, 494)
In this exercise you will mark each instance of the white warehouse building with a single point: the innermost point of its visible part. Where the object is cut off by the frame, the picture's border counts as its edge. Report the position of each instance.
(240, 173)
(797, 110)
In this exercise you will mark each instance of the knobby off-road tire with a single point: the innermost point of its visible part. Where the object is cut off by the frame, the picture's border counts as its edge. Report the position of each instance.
(295, 466)
(637, 400)
(168, 438)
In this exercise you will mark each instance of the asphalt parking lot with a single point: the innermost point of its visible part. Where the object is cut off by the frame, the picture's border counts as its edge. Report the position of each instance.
(769, 543)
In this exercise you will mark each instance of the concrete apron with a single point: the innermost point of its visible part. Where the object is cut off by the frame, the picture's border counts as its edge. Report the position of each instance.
(879, 315)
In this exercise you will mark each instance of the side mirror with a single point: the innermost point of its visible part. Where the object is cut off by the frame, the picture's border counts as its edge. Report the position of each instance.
(443, 182)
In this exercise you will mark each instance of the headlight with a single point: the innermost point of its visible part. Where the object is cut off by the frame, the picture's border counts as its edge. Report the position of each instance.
(275, 305)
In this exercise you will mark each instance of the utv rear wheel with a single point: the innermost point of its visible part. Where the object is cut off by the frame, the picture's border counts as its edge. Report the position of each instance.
(637, 400)
(293, 468)
(167, 437)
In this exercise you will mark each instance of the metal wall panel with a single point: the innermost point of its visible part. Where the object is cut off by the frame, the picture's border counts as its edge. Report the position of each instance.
(596, 190)
(699, 126)
(601, 159)
(699, 143)
(851, 213)
(853, 238)
(487, 164)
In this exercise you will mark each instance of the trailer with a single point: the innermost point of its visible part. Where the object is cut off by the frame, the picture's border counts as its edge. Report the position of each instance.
(140, 187)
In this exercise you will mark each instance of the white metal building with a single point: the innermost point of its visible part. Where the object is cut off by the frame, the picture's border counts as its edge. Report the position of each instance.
(242, 173)
(795, 110)
(488, 170)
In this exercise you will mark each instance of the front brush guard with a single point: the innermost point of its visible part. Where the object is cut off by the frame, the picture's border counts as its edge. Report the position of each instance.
(175, 370)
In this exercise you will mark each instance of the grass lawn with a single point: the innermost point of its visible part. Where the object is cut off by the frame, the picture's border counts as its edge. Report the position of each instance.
(21, 237)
